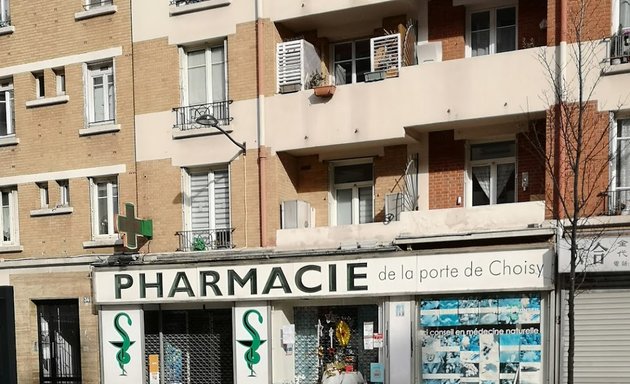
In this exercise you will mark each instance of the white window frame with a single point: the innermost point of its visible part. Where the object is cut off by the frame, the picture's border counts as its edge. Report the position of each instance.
(5, 10)
(100, 70)
(353, 59)
(13, 216)
(40, 85)
(491, 7)
(187, 201)
(44, 195)
(184, 51)
(616, 16)
(91, 4)
(60, 81)
(493, 170)
(111, 209)
(332, 194)
(7, 89)
(64, 192)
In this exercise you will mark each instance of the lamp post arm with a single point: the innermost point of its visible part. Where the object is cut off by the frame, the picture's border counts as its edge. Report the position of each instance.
(241, 146)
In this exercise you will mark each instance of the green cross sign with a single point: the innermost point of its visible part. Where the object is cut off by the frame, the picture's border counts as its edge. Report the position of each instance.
(133, 227)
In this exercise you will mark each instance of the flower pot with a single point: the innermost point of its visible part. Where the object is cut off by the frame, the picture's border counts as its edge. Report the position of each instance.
(324, 90)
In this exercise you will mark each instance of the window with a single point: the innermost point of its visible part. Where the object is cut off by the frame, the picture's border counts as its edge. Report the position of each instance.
(101, 93)
(624, 14)
(207, 209)
(351, 61)
(205, 76)
(104, 206)
(40, 88)
(493, 173)
(58, 341)
(5, 15)
(492, 31)
(352, 193)
(44, 198)
(8, 219)
(60, 81)
(7, 116)
(89, 4)
(64, 193)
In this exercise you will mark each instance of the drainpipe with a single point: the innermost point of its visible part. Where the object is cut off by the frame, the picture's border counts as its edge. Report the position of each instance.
(561, 62)
(260, 123)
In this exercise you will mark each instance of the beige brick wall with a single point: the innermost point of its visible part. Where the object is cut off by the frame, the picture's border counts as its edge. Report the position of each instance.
(49, 135)
(47, 286)
(160, 199)
(157, 85)
(244, 200)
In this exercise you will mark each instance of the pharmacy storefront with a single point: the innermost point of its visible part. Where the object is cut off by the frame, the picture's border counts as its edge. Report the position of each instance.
(395, 317)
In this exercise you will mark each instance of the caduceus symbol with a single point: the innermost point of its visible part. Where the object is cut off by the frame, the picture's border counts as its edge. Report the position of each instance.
(122, 356)
(251, 356)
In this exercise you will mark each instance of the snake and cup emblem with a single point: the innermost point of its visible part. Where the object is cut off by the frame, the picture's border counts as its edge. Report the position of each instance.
(252, 357)
(122, 357)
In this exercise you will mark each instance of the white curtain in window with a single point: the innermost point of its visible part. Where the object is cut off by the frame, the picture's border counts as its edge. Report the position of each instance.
(365, 205)
(482, 175)
(344, 206)
(218, 74)
(221, 200)
(197, 77)
(504, 171)
(199, 201)
(623, 153)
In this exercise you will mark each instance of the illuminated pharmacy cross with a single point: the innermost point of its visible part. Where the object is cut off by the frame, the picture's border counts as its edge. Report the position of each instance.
(133, 227)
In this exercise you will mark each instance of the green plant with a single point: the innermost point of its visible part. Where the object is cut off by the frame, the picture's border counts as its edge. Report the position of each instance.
(316, 79)
(198, 244)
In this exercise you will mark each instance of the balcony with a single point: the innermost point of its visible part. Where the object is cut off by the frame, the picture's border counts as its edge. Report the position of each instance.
(444, 224)
(620, 47)
(186, 118)
(178, 7)
(205, 239)
(454, 94)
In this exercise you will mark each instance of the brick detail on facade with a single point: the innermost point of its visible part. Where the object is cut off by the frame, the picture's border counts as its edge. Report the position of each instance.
(448, 25)
(446, 170)
(597, 13)
(157, 85)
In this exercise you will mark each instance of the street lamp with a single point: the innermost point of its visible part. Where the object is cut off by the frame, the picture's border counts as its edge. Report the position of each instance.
(211, 121)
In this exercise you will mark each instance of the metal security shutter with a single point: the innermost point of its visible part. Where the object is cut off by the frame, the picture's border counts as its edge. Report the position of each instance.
(602, 337)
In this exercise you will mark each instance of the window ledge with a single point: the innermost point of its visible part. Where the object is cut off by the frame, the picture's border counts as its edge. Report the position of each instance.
(174, 10)
(105, 242)
(98, 129)
(9, 140)
(7, 30)
(51, 211)
(617, 69)
(179, 134)
(11, 248)
(47, 101)
(96, 11)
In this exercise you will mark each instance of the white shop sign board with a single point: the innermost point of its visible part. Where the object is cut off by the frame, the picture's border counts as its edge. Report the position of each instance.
(251, 344)
(596, 254)
(414, 274)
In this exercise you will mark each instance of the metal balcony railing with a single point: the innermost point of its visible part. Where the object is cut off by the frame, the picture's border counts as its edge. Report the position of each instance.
(619, 201)
(97, 3)
(185, 117)
(620, 47)
(205, 239)
(179, 3)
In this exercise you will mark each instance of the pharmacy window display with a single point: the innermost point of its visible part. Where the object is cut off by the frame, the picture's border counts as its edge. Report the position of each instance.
(335, 344)
(480, 340)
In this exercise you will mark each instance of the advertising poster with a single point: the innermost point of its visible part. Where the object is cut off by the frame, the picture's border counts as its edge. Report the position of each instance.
(481, 340)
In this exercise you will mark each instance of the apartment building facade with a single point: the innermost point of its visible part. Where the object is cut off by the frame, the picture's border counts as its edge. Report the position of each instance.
(395, 228)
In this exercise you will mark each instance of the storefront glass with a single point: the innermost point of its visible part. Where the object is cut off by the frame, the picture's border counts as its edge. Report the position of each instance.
(480, 339)
(324, 345)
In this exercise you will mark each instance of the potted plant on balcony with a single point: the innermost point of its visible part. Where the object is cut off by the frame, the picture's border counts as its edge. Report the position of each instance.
(320, 84)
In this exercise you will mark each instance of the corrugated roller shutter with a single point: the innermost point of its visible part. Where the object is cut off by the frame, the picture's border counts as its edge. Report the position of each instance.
(602, 337)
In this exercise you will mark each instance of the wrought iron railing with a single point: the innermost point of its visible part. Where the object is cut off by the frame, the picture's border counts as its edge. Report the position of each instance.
(186, 117)
(619, 201)
(205, 239)
(620, 47)
(97, 3)
(178, 3)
